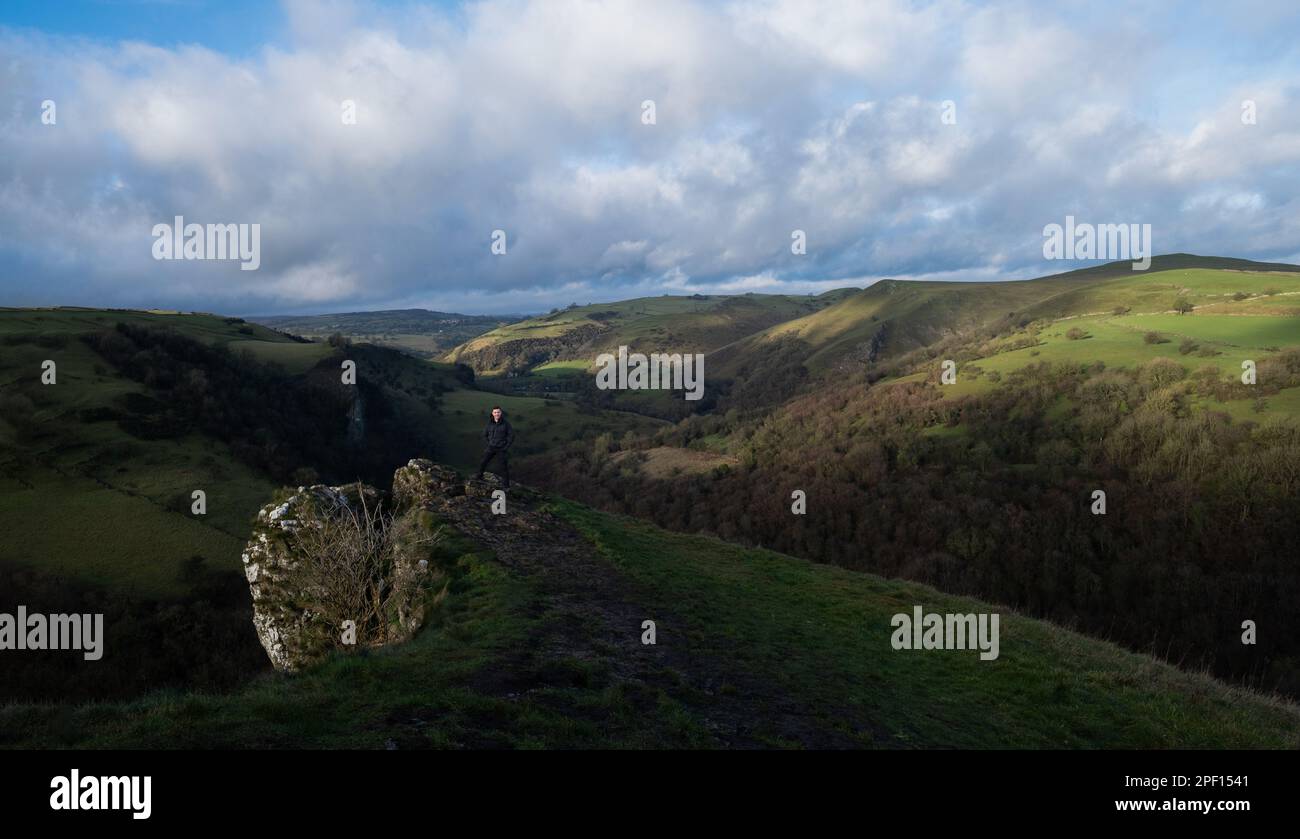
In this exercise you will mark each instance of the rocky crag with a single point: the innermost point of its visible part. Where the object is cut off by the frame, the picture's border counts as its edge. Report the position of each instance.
(587, 611)
(302, 588)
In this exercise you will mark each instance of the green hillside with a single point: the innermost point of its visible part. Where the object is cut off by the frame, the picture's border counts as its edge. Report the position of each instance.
(893, 317)
(1064, 387)
(698, 323)
(85, 498)
(79, 452)
(1065, 384)
(753, 649)
(98, 471)
(1236, 317)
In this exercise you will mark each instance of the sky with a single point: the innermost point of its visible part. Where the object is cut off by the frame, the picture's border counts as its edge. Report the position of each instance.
(379, 146)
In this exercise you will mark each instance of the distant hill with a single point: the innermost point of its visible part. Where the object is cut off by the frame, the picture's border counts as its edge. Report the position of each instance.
(695, 323)
(1176, 392)
(420, 332)
(893, 317)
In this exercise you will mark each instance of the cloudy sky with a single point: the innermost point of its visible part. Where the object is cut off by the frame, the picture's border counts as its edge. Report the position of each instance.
(769, 116)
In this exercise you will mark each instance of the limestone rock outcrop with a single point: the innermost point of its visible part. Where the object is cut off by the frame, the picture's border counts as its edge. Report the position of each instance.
(314, 565)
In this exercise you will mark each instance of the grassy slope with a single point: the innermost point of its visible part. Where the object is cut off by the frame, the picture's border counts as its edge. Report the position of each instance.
(919, 313)
(87, 499)
(819, 636)
(668, 323)
(1226, 333)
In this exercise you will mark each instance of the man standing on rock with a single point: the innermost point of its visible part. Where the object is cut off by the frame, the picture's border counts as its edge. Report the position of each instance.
(497, 435)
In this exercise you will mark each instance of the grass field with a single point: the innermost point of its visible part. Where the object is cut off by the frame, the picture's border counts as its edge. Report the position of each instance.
(112, 538)
(293, 357)
(1223, 337)
(803, 635)
(70, 321)
(561, 369)
(1283, 406)
(1116, 342)
(823, 634)
(83, 498)
(1242, 331)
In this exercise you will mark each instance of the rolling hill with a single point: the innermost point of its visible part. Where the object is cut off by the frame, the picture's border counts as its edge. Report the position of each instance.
(952, 497)
(1063, 387)
(120, 449)
(420, 332)
(698, 323)
(893, 317)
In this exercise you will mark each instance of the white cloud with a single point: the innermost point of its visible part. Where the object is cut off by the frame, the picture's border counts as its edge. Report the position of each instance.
(526, 116)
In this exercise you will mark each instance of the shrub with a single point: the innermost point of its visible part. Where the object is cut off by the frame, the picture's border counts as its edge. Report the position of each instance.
(1160, 372)
(356, 565)
(1152, 338)
(1187, 347)
(1076, 334)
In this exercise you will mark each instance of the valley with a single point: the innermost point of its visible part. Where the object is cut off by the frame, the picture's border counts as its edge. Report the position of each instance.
(966, 498)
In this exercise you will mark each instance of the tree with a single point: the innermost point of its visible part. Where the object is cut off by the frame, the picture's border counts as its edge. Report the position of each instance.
(357, 564)
(1182, 305)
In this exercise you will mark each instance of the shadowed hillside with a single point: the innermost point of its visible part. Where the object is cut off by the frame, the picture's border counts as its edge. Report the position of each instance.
(99, 470)
(541, 644)
(985, 485)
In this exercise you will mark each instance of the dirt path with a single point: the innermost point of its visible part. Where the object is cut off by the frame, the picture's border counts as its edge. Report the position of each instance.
(592, 613)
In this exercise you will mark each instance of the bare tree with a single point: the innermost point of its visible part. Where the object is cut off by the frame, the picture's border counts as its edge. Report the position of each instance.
(355, 566)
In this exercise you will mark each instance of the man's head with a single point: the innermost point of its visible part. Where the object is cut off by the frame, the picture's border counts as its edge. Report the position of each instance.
(496, 414)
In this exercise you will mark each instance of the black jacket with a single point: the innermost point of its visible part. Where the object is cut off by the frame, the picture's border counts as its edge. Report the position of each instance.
(498, 435)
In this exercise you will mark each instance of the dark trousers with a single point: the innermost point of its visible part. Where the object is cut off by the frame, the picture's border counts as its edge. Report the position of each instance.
(505, 463)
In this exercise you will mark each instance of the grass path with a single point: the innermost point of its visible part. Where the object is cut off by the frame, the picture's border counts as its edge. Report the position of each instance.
(539, 645)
